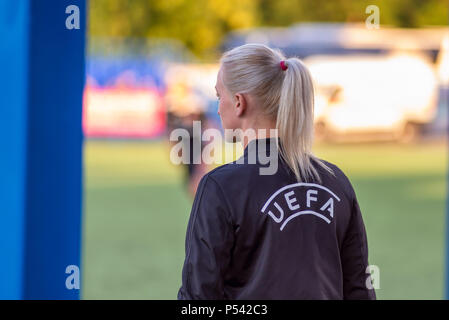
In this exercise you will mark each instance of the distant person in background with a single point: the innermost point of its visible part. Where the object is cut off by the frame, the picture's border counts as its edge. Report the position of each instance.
(183, 107)
(296, 233)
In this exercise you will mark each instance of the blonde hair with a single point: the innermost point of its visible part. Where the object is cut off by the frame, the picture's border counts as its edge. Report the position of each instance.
(286, 95)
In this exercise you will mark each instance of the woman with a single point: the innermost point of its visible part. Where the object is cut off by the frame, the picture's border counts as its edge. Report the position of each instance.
(296, 233)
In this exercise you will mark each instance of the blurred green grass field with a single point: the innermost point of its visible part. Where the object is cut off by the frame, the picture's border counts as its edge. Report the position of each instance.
(136, 212)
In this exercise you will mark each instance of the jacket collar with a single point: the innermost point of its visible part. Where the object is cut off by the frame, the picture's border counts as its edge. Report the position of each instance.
(267, 145)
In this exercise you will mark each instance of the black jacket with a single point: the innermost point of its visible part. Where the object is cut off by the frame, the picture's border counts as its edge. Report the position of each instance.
(253, 236)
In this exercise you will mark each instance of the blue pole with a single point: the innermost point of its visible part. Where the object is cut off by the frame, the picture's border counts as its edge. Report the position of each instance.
(446, 289)
(13, 112)
(446, 104)
(41, 85)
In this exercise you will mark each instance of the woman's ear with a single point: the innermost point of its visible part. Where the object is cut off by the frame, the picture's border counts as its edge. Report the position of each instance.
(240, 104)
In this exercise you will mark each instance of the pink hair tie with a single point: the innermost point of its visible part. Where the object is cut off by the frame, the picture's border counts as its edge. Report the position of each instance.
(283, 65)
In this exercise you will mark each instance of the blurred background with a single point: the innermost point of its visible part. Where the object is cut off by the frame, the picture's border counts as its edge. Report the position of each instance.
(381, 116)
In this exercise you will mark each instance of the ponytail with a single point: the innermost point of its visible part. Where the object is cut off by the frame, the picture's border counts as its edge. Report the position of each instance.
(295, 120)
(286, 92)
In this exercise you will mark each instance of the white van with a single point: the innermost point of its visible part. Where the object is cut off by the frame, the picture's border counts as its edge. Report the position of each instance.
(380, 95)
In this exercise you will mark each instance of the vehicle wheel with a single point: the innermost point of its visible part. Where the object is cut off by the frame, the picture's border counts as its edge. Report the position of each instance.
(410, 132)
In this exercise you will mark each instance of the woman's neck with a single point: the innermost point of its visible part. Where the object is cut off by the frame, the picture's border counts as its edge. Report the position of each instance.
(259, 130)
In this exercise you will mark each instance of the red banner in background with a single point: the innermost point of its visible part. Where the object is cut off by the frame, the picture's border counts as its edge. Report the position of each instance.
(123, 112)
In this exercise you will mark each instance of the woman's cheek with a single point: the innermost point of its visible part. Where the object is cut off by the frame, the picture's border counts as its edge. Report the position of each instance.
(219, 107)
(220, 112)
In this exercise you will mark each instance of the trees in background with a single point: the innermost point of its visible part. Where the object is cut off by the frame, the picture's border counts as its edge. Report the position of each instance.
(202, 24)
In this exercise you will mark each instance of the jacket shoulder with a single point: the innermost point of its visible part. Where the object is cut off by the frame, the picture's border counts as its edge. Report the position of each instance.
(337, 176)
(230, 172)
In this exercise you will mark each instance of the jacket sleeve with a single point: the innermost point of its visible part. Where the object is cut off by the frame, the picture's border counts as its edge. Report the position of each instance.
(208, 244)
(354, 257)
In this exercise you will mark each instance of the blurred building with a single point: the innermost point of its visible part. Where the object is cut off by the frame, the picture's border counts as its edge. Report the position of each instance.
(307, 39)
